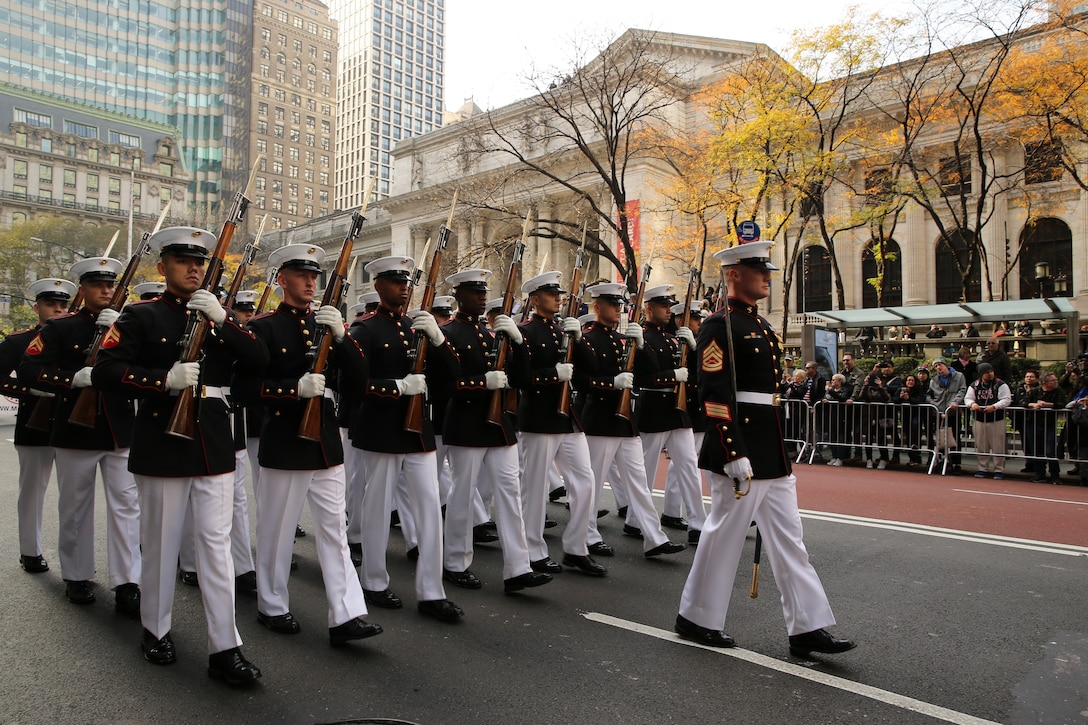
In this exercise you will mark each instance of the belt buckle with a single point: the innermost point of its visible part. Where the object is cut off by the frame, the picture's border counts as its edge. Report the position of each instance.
(776, 399)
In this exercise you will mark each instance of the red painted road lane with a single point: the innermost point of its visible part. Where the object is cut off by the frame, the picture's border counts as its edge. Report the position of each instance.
(1037, 511)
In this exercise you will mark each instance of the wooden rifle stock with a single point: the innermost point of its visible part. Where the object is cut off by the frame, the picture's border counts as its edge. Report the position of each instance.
(85, 409)
(573, 304)
(182, 423)
(507, 399)
(685, 321)
(623, 409)
(309, 428)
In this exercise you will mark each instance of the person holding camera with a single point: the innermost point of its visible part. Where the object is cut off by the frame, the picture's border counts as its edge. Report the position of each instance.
(880, 388)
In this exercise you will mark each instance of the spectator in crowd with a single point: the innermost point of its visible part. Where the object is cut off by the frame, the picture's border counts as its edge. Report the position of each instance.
(997, 357)
(1002, 330)
(865, 337)
(965, 365)
(908, 332)
(788, 370)
(936, 331)
(1072, 437)
(814, 383)
(795, 412)
(912, 395)
(879, 388)
(1024, 328)
(1041, 426)
(927, 417)
(835, 418)
(892, 333)
(1021, 395)
(988, 397)
(968, 330)
(1069, 382)
(948, 389)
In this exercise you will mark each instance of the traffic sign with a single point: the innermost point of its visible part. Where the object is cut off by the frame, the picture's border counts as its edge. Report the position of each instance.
(748, 231)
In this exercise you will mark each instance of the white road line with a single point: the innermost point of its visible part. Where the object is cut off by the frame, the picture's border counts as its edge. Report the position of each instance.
(925, 530)
(788, 668)
(1016, 495)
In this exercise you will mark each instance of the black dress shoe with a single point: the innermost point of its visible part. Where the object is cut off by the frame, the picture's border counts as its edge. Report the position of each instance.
(464, 579)
(693, 537)
(385, 599)
(78, 592)
(674, 522)
(584, 564)
(126, 600)
(557, 493)
(441, 609)
(546, 565)
(601, 513)
(634, 531)
(189, 578)
(693, 632)
(280, 623)
(158, 650)
(246, 584)
(622, 512)
(394, 518)
(601, 549)
(412, 554)
(550, 523)
(669, 547)
(34, 564)
(231, 666)
(524, 581)
(299, 531)
(483, 534)
(294, 563)
(356, 628)
(356, 551)
(820, 641)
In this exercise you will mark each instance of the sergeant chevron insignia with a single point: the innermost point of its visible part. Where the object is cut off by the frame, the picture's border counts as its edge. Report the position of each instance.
(713, 358)
(112, 338)
(36, 345)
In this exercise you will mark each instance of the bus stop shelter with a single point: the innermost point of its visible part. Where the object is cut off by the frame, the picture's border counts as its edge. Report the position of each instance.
(921, 317)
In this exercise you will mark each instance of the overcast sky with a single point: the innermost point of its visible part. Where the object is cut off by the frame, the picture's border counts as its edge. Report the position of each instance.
(491, 45)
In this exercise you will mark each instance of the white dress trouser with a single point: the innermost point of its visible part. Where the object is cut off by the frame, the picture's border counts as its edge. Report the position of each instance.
(673, 496)
(626, 455)
(76, 473)
(540, 453)
(354, 491)
(240, 550)
(681, 445)
(163, 503)
(500, 466)
(772, 504)
(418, 473)
(35, 466)
(619, 489)
(279, 505)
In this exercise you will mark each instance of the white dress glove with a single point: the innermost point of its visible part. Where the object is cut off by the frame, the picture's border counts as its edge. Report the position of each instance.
(505, 325)
(624, 381)
(740, 469)
(183, 375)
(208, 305)
(564, 371)
(41, 393)
(311, 385)
(82, 378)
(414, 384)
(331, 318)
(634, 332)
(685, 334)
(495, 380)
(681, 375)
(424, 322)
(107, 317)
(572, 327)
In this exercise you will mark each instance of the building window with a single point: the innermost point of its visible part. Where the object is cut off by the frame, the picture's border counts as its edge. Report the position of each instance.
(959, 276)
(20, 139)
(262, 146)
(92, 203)
(164, 194)
(166, 169)
(30, 118)
(954, 175)
(92, 154)
(125, 139)
(82, 130)
(45, 174)
(19, 168)
(261, 183)
(19, 190)
(277, 167)
(890, 283)
(1043, 161)
(92, 182)
(115, 159)
(70, 178)
(1046, 241)
(115, 186)
(47, 145)
(813, 279)
(68, 200)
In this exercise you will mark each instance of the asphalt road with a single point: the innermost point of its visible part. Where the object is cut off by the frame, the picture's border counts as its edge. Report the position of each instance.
(951, 627)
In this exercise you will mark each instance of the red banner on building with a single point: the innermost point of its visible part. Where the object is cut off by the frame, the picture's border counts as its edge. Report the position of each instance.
(633, 227)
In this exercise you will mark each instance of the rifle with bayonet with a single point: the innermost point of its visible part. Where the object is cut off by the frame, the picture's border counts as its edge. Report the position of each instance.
(623, 409)
(685, 321)
(413, 418)
(501, 348)
(182, 423)
(566, 347)
(249, 254)
(309, 428)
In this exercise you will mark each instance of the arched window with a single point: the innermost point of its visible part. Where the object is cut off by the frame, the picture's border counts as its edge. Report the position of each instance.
(1046, 241)
(813, 279)
(890, 283)
(959, 271)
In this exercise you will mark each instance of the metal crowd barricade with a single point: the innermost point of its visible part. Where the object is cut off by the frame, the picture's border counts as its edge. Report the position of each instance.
(1031, 435)
(798, 415)
(879, 430)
